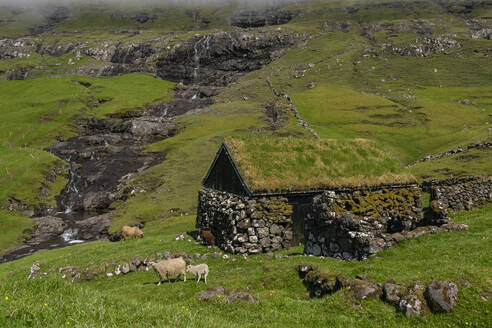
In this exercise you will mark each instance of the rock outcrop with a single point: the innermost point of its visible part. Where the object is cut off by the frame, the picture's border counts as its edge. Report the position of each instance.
(247, 19)
(221, 58)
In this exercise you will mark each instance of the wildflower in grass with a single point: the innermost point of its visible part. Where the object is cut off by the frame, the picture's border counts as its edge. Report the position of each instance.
(68, 322)
(45, 304)
(6, 298)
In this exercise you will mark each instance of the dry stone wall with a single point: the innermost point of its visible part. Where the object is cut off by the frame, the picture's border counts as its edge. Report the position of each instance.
(245, 225)
(458, 194)
(356, 224)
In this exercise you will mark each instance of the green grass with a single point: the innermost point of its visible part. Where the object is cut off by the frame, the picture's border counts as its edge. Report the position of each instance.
(13, 227)
(468, 163)
(456, 256)
(434, 123)
(279, 164)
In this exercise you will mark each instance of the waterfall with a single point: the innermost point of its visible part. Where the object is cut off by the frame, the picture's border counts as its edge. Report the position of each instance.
(200, 49)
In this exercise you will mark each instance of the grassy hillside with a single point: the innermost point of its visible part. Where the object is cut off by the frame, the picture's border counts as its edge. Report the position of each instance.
(346, 82)
(37, 112)
(134, 300)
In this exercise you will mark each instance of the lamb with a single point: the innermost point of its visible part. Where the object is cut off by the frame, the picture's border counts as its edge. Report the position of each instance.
(208, 237)
(133, 232)
(166, 268)
(198, 270)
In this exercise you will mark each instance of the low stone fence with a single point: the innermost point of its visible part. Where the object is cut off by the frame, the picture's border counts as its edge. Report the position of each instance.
(355, 224)
(244, 224)
(458, 194)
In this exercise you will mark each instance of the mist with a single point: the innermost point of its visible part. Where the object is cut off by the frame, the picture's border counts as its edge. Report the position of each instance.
(40, 3)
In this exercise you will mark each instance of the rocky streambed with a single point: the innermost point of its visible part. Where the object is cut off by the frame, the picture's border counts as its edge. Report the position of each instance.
(108, 151)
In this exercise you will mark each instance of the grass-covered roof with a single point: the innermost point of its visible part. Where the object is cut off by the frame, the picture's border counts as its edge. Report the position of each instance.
(274, 164)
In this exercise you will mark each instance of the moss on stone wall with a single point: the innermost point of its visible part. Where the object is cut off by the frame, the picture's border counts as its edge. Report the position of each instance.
(372, 204)
(275, 209)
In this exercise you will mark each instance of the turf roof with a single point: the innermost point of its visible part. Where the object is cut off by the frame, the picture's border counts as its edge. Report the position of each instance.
(274, 164)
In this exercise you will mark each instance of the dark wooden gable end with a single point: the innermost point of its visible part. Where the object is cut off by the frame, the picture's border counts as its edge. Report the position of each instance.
(223, 175)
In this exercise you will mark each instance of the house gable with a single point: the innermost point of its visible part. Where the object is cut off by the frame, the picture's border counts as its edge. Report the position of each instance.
(224, 176)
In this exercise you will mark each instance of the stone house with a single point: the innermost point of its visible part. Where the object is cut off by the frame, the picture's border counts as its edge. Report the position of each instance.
(266, 193)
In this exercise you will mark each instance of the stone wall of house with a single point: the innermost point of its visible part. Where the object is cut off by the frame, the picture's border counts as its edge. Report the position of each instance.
(356, 224)
(245, 225)
(458, 194)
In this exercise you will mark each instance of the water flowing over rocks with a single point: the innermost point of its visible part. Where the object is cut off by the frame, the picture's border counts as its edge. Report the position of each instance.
(221, 58)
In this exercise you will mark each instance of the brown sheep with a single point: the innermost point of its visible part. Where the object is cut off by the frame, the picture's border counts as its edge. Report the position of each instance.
(166, 268)
(133, 232)
(208, 237)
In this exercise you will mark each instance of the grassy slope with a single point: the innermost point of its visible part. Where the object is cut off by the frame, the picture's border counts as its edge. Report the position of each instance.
(174, 183)
(470, 162)
(36, 112)
(457, 256)
(414, 114)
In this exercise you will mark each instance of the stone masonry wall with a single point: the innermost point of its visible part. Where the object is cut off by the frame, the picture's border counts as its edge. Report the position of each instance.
(243, 224)
(357, 224)
(458, 194)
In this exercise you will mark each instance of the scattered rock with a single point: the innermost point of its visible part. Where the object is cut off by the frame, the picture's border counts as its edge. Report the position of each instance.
(441, 296)
(180, 237)
(241, 296)
(211, 293)
(93, 228)
(364, 289)
(392, 292)
(35, 268)
(413, 304)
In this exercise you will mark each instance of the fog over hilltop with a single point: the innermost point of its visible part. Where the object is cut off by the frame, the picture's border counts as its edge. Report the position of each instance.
(30, 3)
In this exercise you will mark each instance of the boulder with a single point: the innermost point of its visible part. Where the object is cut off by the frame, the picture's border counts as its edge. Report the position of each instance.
(93, 228)
(125, 268)
(441, 296)
(211, 293)
(364, 289)
(35, 268)
(413, 304)
(49, 225)
(241, 296)
(392, 293)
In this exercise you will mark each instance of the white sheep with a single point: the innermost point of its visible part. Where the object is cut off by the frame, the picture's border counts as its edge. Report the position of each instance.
(198, 270)
(166, 268)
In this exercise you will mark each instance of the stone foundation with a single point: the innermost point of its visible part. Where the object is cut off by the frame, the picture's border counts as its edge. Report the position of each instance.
(244, 224)
(458, 194)
(355, 224)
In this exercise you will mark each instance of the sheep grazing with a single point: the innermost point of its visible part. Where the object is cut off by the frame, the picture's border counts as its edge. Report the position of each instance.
(131, 232)
(198, 270)
(166, 268)
(208, 237)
